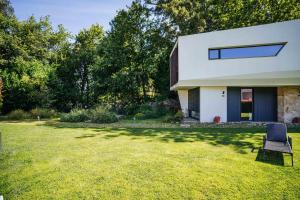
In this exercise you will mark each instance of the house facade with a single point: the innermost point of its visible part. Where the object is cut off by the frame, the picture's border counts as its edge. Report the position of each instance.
(243, 74)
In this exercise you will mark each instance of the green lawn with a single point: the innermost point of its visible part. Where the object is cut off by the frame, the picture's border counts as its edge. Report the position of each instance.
(43, 160)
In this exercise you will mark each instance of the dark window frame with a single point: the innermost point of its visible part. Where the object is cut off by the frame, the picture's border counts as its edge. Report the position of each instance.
(174, 66)
(247, 46)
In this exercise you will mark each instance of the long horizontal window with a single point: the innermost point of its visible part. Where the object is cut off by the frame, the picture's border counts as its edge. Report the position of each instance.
(245, 52)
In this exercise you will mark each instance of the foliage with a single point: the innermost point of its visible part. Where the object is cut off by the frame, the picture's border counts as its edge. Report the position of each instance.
(102, 115)
(204, 15)
(6, 9)
(28, 55)
(1, 96)
(145, 111)
(75, 84)
(43, 113)
(18, 114)
(177, 117)
(96, 115)
(144, 108)
(134, 57)
(76, 115)
(139, 116)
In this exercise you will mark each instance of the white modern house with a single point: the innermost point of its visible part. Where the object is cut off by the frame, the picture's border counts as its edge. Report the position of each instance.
(243, 74)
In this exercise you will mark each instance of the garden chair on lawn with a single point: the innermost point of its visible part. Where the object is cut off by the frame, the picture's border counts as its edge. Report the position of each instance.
(277, 139)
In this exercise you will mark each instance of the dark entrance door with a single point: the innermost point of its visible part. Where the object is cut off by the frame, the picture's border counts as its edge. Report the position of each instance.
(265, 104)
(262, 107)
(246, 104)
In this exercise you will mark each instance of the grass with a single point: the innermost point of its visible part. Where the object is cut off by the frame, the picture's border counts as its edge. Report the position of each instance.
(52, 160)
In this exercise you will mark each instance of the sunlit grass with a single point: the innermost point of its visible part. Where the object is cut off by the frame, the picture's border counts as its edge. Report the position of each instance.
(46, 160)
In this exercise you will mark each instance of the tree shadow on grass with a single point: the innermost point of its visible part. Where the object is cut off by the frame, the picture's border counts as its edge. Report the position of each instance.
(86, 136)
(241, 139)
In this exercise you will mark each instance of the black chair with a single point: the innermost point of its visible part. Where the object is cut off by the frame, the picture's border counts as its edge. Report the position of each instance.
(277, 139)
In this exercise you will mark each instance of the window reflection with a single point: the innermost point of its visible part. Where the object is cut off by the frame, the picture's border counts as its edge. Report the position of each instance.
(246, 104)
(245, 52)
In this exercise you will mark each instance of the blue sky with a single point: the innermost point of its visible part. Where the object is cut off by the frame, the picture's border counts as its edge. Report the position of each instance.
(73, 14)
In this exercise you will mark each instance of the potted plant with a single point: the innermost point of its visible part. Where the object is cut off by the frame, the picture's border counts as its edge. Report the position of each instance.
(217, 119)
(296, 120)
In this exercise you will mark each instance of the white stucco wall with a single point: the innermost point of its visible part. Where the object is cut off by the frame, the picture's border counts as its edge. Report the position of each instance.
(195, 69)
(183, 98)
(213, 103)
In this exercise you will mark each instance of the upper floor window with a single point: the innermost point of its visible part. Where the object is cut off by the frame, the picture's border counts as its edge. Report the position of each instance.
(245, 52)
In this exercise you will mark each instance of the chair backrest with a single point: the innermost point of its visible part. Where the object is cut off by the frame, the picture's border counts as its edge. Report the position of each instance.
(276, 132)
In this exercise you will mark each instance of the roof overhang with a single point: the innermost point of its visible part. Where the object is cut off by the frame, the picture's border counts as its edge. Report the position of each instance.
(290, 78)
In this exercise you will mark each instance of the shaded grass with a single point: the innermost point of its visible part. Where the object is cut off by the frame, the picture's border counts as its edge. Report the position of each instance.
(46, 160)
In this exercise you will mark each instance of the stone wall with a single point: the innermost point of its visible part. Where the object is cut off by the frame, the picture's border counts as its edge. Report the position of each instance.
(288, 103)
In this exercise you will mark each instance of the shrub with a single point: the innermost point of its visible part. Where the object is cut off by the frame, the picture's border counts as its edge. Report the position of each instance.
(43, 113)
(102, 115)
(139, 116)
(174, 118)
(152, 112)
(129, 109)
(97, 115)
(18, 114)
(179, 115)
(168, 119)
(144, 108)
(161, 110)
(76, 115)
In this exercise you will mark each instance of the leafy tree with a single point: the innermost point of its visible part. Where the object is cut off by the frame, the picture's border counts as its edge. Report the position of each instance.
(74, 83)
(6, 9)
(28, 54)
(126, 52)
(134, 68)
(210, 15)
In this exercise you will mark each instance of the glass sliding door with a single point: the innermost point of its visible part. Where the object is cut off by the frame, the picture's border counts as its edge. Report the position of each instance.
(194, 103)
(246, 104)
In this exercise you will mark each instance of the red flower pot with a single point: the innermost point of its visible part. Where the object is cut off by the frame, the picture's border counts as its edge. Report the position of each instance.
(217, 119)
(296, 120)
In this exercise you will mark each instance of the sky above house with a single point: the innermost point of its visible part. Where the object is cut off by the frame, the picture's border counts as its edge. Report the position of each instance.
(73, 14)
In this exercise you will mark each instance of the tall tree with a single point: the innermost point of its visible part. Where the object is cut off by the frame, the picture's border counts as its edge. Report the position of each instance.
(129, 59)
(74, 82)
(28, 54)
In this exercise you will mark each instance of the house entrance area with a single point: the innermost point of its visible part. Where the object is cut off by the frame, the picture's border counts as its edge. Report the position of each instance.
(251, 104)
(246, 104)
